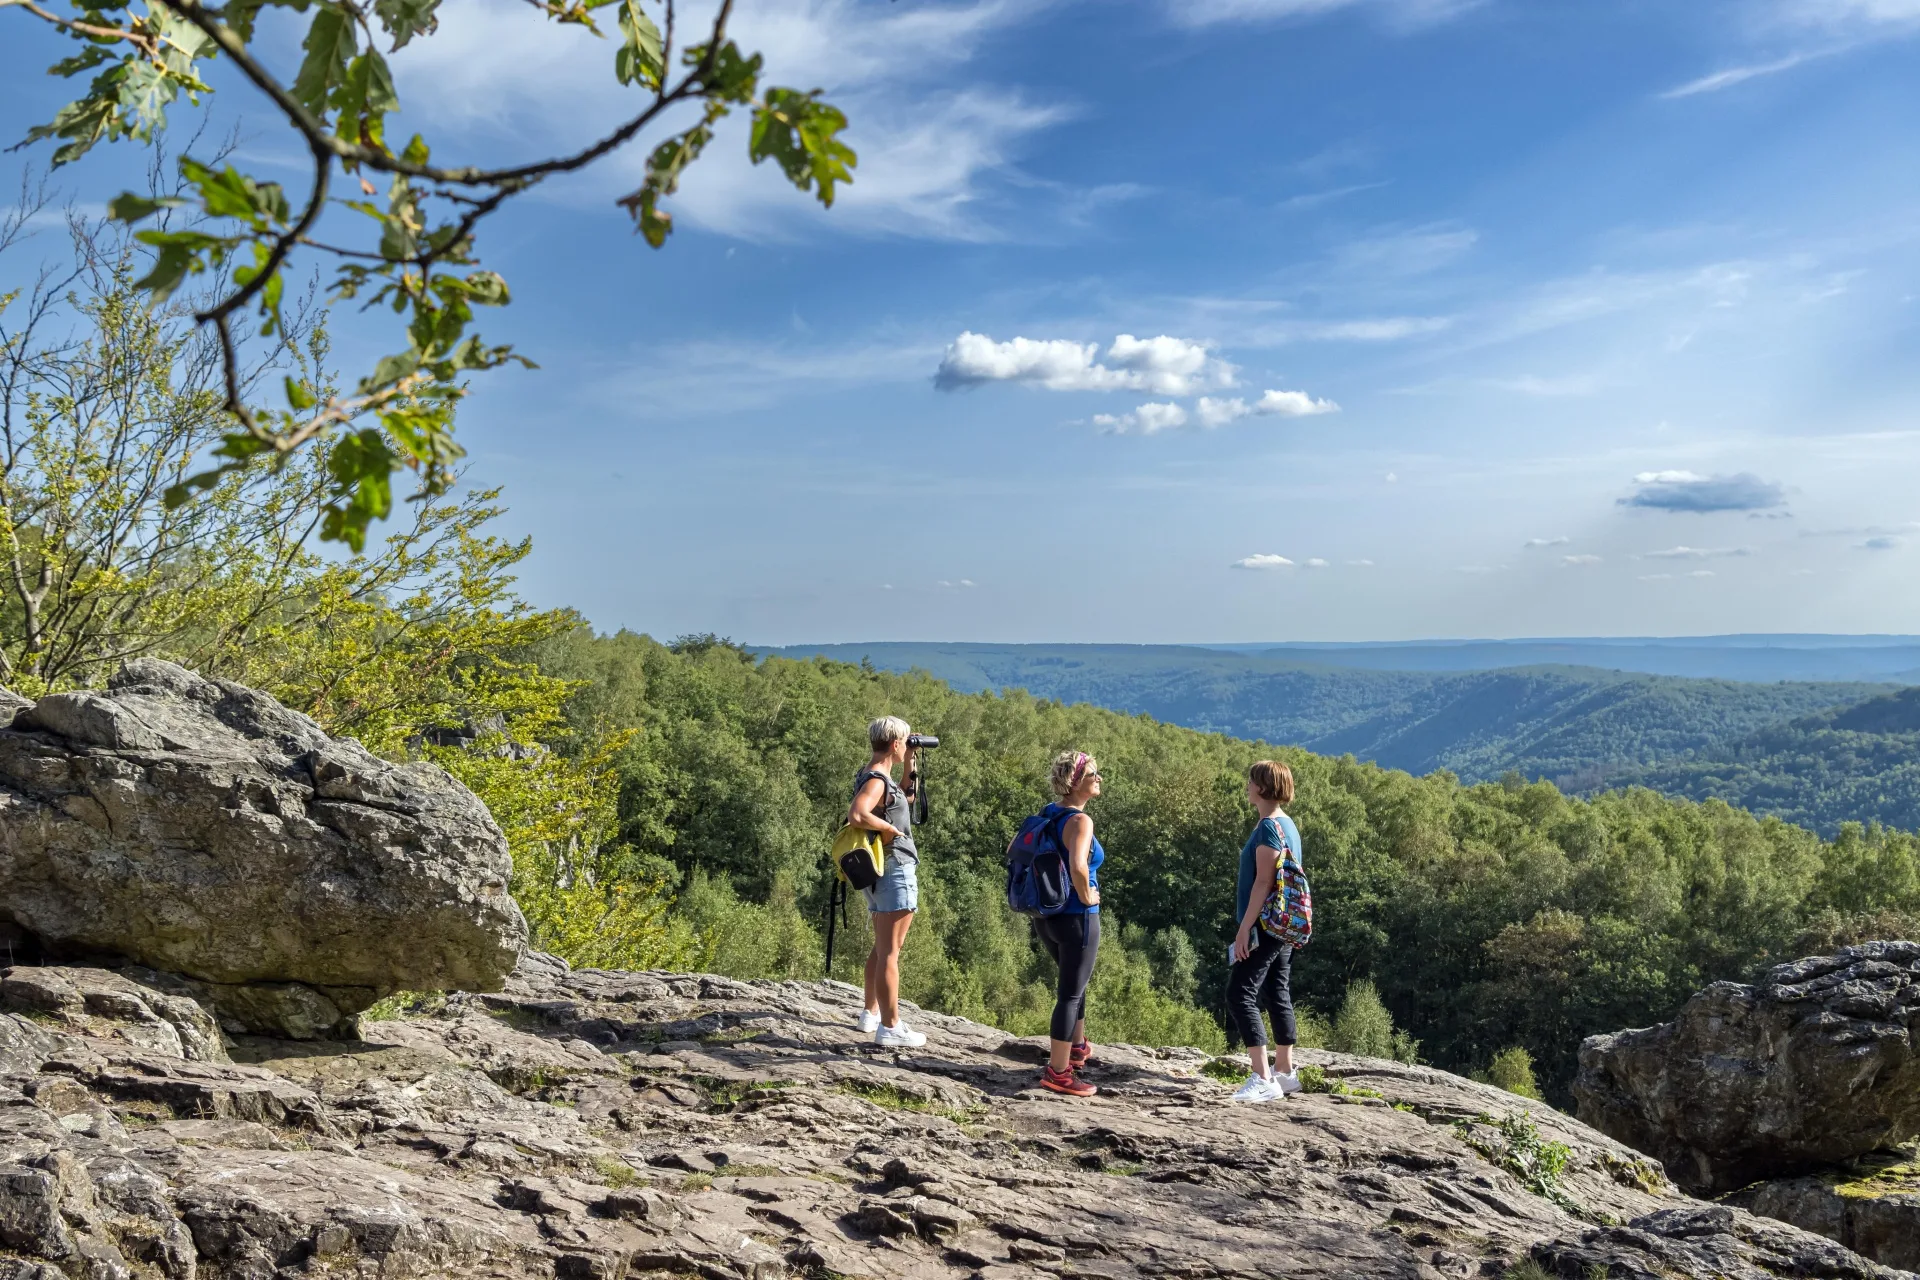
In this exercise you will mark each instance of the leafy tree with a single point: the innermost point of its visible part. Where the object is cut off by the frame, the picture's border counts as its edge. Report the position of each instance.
(418, 254)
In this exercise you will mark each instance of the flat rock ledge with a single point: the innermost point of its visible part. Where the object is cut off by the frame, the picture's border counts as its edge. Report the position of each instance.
(594, 1126)
(200, 828)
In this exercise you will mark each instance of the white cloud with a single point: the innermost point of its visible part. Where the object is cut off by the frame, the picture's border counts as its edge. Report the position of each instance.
(1576, 561)
(1315, 563)
(1361, 564)
(1885, 542)
(934, 142)
(1701, 573)
(1731, 76)
(1163, 365)
(1535, 544)
(1695, 553)
(1283, 404)
(1399, 14)
(960, 585)
(1392, 478)
(1148, 419)
(1263, 562)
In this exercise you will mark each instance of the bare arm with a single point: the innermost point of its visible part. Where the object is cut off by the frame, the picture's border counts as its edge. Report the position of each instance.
(871, 792)
(1266, 861)
(1078, 836)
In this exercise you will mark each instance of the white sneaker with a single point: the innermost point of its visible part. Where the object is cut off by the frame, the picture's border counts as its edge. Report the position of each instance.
(898, 1036)
(1257, 1090)
(869, 1022)
(1286, 1082)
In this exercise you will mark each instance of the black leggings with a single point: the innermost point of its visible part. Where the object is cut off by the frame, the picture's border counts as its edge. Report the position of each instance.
(1260, 982)
(1073, 941)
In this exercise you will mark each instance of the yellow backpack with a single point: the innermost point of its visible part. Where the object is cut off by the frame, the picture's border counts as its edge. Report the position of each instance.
(858, 857)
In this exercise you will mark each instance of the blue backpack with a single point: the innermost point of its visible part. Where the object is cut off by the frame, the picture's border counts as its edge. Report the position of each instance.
(1037, 879)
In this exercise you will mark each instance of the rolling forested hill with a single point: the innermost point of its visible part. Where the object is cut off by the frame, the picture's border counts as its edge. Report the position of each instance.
(1858, 763)
(1576, 726)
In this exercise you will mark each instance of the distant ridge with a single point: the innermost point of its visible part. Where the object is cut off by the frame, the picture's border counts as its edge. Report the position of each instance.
(1891, 658)
(1577, 725)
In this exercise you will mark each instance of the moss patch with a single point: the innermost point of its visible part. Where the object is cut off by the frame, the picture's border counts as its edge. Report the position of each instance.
(1886, 1174)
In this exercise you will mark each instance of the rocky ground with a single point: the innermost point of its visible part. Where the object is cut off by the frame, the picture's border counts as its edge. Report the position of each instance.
(594, 1126)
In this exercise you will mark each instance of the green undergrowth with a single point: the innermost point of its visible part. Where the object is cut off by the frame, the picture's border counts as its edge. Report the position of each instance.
(614, 1172)
(894, 1098)
(725, 1095)
(1514, 1143)
(1224, 1069)
(404, 1004)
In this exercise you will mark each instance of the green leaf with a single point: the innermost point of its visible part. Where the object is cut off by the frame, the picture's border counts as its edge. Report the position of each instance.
(128, 207)
(362, 468)
(300, 396)
(405, 19)
(329, 44)
(639, 59)
(364, 99)
(801, 134)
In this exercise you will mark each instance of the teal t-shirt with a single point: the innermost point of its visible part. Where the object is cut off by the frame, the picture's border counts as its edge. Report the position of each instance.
(1277, 832)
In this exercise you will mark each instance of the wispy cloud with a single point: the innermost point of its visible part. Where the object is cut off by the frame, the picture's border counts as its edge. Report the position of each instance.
(936, 143)
(1536, 544)
(1695, 553)
(1580, 561)
(1730, 76)
(1405, 15)
(1263, 562)
(1885, 542)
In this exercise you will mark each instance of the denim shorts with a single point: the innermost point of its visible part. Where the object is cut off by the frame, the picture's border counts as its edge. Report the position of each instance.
(898, 890)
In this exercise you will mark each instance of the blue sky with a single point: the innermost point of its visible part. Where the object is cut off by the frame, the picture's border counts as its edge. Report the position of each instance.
(1211, 320)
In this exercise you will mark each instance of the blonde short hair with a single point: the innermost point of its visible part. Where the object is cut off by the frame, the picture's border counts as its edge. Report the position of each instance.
(886, 731)
(1070, 768)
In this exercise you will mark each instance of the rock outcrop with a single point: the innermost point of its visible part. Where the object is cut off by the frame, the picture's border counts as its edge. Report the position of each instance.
(1872, 1207)
(200, 828)
(1817, 1065)
(601, 1126)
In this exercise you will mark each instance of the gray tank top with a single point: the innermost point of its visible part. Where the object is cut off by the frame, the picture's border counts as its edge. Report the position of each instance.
(893, 808)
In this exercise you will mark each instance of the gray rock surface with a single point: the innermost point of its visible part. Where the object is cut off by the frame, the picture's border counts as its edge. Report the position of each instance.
(587, 1124)
(1816, 1065)
(1872, 1207)
(201, 828)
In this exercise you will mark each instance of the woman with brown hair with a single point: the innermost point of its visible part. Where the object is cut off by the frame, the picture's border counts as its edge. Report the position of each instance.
(1259, 978)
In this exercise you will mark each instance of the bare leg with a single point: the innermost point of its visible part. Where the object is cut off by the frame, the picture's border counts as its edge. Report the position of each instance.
(876, 965)
(889, 933)
(1283, 1058)
(1258, 1054)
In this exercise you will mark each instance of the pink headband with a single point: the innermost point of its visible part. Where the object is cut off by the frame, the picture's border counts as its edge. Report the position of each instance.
(1080, 761)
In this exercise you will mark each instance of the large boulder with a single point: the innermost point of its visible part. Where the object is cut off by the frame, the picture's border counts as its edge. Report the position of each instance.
(1816, 1065)
(200, 828)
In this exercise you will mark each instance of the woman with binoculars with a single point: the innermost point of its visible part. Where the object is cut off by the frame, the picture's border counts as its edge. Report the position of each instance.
(883, 805)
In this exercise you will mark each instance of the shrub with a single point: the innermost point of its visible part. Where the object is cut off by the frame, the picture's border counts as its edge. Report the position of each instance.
(1512, 1070)
(1364, 1027)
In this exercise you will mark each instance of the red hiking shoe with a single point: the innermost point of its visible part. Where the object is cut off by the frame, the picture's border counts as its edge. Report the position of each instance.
(1079, 1055)
(1066, 1082)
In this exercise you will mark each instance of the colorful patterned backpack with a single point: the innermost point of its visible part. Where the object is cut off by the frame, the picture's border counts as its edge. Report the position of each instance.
(1288, 914)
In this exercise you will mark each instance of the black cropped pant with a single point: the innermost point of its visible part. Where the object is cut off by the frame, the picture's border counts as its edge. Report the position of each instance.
(1074, 943)
(1260, 982)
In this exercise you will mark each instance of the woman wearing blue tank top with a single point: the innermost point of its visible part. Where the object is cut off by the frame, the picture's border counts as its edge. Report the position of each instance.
(1072, 936)
(1259, 978)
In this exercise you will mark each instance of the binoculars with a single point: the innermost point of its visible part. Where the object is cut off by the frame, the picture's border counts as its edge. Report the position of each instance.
(921, 741)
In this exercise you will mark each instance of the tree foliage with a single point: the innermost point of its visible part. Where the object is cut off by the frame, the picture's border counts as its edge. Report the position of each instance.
(416, 254)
